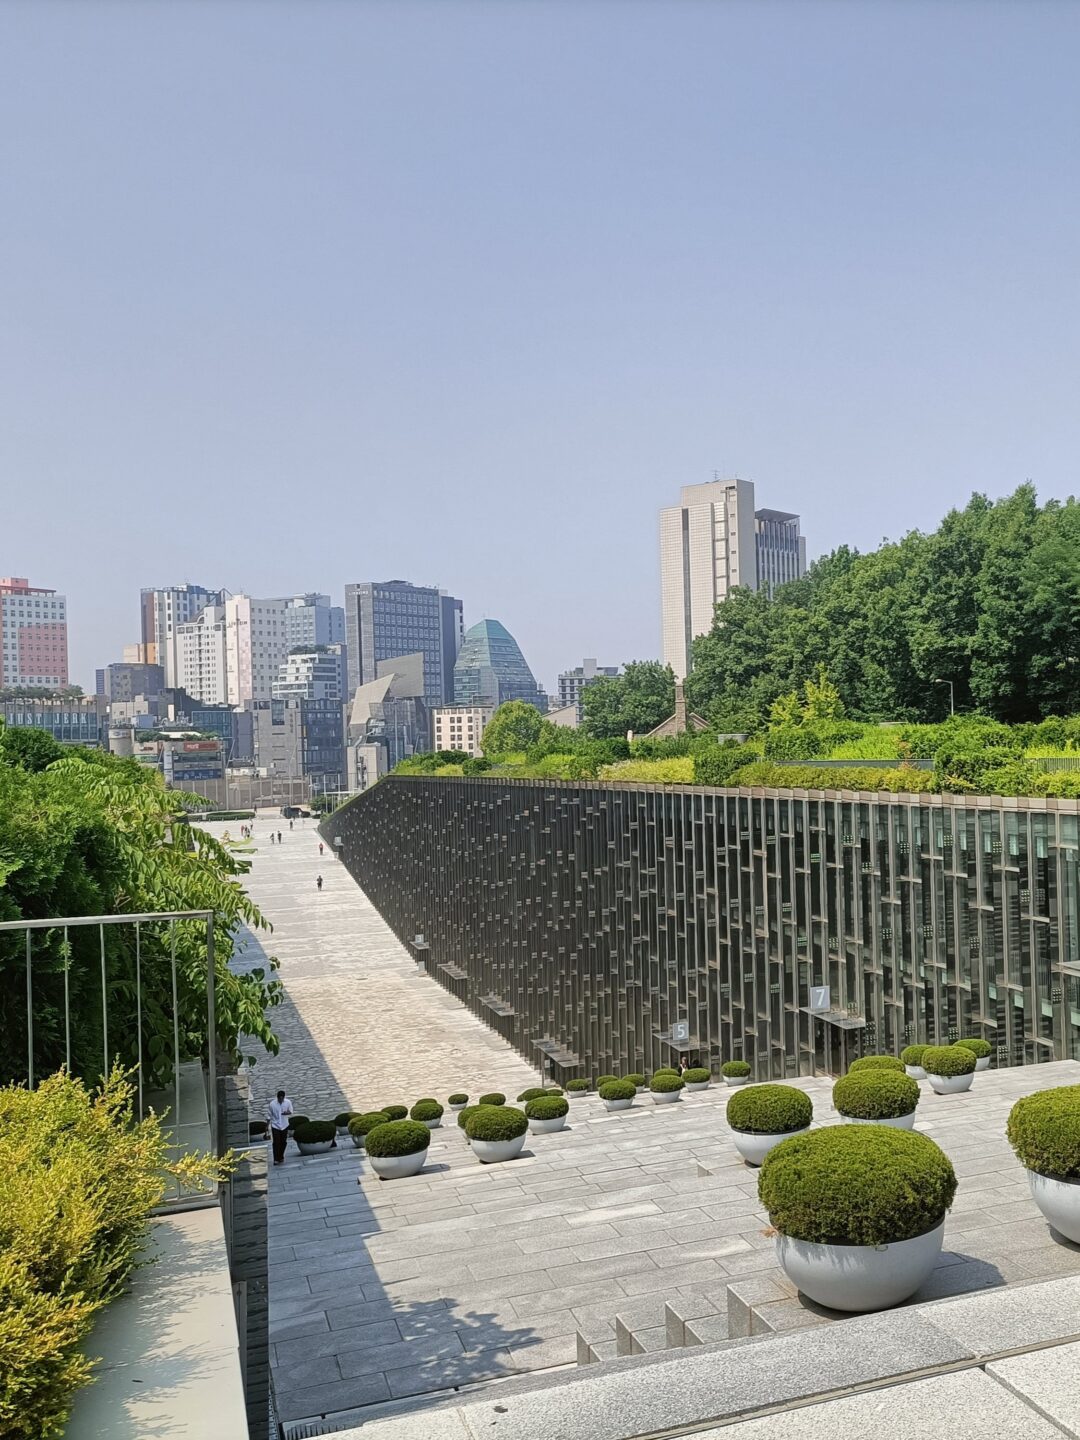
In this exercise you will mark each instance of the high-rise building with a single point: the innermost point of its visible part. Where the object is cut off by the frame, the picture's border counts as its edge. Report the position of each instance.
(198, 647)
(315, 672)
(490, 669)
(312, 620)
(162, 612)
(296, 737)
(572, 683)
(387, 619)
(711, 542)
(255, 646)
(460, 727)
(33, 635)
(123, 682)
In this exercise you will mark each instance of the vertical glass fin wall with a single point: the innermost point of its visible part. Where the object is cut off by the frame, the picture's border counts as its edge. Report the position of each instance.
(794, 930)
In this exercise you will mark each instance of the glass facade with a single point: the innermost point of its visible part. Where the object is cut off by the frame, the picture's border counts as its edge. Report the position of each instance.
(792, 929)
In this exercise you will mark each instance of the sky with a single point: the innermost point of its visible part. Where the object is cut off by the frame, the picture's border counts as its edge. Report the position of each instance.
(298, 294)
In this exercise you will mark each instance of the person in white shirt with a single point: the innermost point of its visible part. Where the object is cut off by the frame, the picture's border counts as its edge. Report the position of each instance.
(278, 1112)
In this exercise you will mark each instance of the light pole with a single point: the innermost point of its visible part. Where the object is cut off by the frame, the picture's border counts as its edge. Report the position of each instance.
(952, 694)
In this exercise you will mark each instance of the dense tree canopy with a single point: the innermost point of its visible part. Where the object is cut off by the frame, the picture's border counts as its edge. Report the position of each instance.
(514, 727)
(639, 699)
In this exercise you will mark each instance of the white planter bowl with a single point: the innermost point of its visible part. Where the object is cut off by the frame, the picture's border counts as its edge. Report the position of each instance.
(698, 1085)
(456, 1108)
(981, 1064)
(577, 1094)
(432, 1124)
(641, 1089)
(915, 1071)
(754, 1148)
(896, 1122)
(397, 1167)
(342, 1130)
(358, 1141)
(1059, 1201)
(736, 1079)
(618, 1104)
(860, 1277)
(491, 1152)
(950, 1084)
(666, 1097)
(320, 1147)
(547, 1127)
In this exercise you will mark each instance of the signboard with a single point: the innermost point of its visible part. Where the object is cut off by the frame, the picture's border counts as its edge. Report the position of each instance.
(680, 1032)
(819, 997)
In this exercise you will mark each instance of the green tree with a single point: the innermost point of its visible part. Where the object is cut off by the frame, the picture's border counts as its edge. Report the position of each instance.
(514, 727)
(639, 699)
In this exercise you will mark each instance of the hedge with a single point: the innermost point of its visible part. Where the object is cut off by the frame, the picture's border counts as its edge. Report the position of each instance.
(362, 1124)
(912, 1055)
(546, 1107)
(769, 1109)
(979, 1048)
(497, 1122)
(947, 1060)
(876, 1095)
(876, 1062)
(399, 1137)
(426, 1110)
(618, 1090)
(736, 1069)
(856, 1185)
(662, 1084)
(1044, 1130)
(494, 1098)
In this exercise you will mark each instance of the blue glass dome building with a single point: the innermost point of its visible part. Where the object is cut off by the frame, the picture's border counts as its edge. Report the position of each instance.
(491, 669)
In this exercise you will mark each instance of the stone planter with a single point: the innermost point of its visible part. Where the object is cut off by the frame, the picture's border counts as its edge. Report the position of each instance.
(617, 1104)
(700, 1085)
(397, 1167)
(915, 1071)
(736, 1079)
(753, 1148)
(1059, 1201)
(860, 1277)
(897, 1122)
(666, 1097)
(950, 1084)
(981, 1064)
(320, 1147)
(492, 1152)
(546, 1127)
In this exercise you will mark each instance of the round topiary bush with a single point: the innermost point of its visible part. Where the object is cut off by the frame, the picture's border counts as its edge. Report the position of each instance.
(295, 1120)
(493, 1099)
(875, 1094)
(912, 1055)
(856, 1185)
(737, 1069)
(425, 1110)
(877, 1062)
(546, 1107)
(979, 1048)
(342, 1120)
(1044, 1130)
(398, 1137)
(947, 1060)
(532, 1094)
(602, 1080)
(662, 1084)
(696, 1076)
(458, 1098)
(618, 1090)
(313, 1132)
(496, 1122)
(769, 1109)
(362, 1124)
(463, 1115)
(635, 1080)
(577, 1086)
(395, 1112)
(666, 1070)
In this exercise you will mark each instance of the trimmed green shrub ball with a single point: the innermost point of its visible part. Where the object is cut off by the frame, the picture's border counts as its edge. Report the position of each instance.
(457, 1098)
(769, 1109)
(696, 1077)
(426, 1110)
(313, 1132)
(876, 1062)
(1044, 1130)
(493, 1099)
(618, 1090)
(298, 1120)
(664, 1084)
(602, 1080)
(342, 1120)
(398, 1137)
(912, 1055)
(666, 1070)
(979, 1048)
(735, 1068)
(875, 1095)
(463, 1115)
(395, 1112)
(362, 1124)
(532, 1094)
(546, 1107)
(497, 1122)
(577, 1085)
(856, 1185)
(635, 1080)
(947, 1060)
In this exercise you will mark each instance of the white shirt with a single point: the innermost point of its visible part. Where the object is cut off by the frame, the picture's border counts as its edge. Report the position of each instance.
(279, 1113)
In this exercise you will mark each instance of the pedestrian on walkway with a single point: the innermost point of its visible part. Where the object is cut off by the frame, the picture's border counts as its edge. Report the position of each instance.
(279, 837)
(290, 824)
(278, 1112)
(318, 882)
(320, 847)
(271, 837)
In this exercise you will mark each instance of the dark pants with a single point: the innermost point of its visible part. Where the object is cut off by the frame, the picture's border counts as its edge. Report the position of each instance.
(280, 1139)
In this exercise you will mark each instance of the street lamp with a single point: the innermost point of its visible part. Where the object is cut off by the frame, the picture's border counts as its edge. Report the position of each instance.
(952, 694)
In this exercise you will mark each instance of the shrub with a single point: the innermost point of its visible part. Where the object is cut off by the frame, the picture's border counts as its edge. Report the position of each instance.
(696, 1077)
(1044, 1130)
(979, 1048)
(947, 1060)
(876, 1062)
(602, 1080)
(457, 1098)
(875, 1095)
(577, 1085)
(314, 1132)
(618, 1090)
(362, 1124)
(546, 1107)
(496, 1122)
(399, 1137)
(635, 1080)
(666, 1070)
(493, 1099)
(735, 1068)
(532, 1094)
(295, 1120)
(465, 1115)
(912, 1055)
(342, 1121)
(769, 1109)
(426, 1110)
(856, 1185)
(665, 1084)
(395, 1112)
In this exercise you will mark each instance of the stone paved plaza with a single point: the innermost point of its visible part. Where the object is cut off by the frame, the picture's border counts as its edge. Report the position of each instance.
(623, 1234)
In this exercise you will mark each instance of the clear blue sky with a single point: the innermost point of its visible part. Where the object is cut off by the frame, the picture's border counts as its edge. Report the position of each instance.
(295, 294)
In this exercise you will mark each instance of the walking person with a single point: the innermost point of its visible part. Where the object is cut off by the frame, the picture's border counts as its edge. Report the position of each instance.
(318, 882)
(290, 824)
(278, 1112)
(271, 837)
(320, 847)
(279, 837)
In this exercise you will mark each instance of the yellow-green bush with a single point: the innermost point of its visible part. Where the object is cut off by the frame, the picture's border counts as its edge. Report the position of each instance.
(79, 1176)
(677, 770)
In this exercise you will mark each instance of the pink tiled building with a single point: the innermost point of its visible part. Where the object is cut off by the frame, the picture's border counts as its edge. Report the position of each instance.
(33, 635)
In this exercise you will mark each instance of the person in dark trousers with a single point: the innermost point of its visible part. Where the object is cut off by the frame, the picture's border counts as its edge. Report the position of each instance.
(271, 837)
(278, 1112)
(320, 847)
(318, 882)
(279, 837)
(290, 824)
